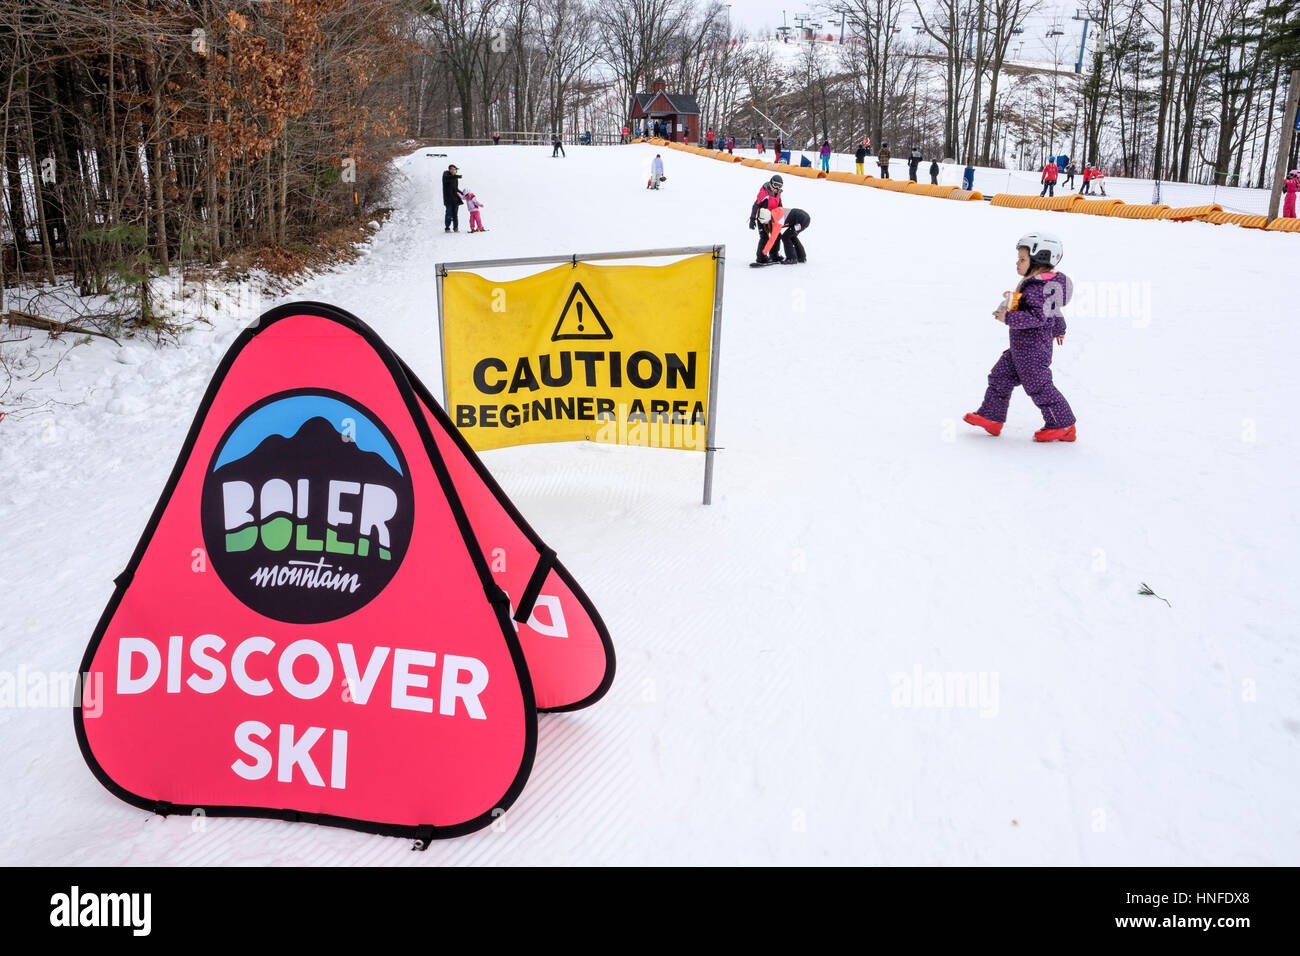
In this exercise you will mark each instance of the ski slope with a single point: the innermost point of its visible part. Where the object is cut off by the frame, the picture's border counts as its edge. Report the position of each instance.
(794, 660)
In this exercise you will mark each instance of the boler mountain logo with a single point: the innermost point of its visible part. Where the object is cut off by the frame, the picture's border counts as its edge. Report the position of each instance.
(580, 318)
(307, 506)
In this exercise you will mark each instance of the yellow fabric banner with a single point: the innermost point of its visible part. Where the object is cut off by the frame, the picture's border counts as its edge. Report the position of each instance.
(615, 354)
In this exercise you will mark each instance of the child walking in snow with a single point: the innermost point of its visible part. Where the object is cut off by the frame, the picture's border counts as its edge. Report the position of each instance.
(1033, 317)
(473, 206)
(1292, 185)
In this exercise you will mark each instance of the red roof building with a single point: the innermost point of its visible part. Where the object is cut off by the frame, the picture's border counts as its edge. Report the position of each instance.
(677, 112)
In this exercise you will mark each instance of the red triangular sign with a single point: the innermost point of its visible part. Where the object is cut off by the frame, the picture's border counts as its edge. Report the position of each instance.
(309, 628)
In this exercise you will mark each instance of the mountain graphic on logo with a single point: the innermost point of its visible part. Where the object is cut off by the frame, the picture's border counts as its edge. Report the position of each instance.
(317, 440)
(307, 527)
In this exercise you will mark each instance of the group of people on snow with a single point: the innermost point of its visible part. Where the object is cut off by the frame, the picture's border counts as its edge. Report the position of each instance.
(1032, 313)
(453, 197)
(1054, 169)
(775, 222)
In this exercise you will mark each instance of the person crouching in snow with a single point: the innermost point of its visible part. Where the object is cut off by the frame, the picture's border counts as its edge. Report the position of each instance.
(1033, 317)
(769, 198)
(788, 225)
(472, 205)
(656, 172)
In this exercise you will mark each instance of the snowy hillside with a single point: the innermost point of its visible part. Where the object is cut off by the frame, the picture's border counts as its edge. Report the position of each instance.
(891, 639)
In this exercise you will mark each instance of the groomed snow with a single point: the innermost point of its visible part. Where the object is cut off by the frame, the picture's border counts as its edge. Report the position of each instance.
(861, 536)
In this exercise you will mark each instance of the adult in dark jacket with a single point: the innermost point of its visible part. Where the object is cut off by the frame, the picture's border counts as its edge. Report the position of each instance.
(860, 157)
(451, 198)
(934, 172)
(913, 163)
(796, 224)
(883, 159)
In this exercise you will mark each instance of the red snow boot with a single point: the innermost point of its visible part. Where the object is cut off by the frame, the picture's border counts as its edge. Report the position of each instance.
(993, 428)
(1055, 434)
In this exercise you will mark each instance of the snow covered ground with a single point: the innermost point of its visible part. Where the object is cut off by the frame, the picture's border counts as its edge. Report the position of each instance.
(794, 660)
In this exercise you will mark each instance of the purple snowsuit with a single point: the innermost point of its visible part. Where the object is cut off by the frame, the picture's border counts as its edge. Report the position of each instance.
(1032, 326)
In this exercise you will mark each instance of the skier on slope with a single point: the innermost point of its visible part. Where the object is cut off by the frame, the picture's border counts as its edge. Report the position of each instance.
(1033, 318)
(472, 206)
(656, 173)
(769, 198)
(1049, 177)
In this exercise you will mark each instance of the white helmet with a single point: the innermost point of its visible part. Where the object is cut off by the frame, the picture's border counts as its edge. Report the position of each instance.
(765, 215)
(1044, 248)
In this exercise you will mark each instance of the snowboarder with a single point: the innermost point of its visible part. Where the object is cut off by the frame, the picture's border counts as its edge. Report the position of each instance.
(472, 206)
(968, 178)
(913, 163)
(557, 147)
(826, 156)
(779, 147)
(1291, 185)
(760, 144)
(656, 173)
(451, 198)
(883, 160)
(860, 157)
(769, 198)
(1070, 170)
(934, 172)
(1049, 177)
(731, 145)
(1033, 318)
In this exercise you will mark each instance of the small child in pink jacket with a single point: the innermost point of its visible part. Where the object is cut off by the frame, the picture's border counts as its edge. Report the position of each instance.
(472, 205)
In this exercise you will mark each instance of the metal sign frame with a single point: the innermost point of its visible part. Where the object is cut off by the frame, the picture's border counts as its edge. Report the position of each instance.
(719, 253)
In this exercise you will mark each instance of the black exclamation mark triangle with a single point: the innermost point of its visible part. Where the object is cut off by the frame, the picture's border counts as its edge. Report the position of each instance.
(577, 322)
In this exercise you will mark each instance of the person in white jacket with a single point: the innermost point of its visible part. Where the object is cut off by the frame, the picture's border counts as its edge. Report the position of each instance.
(656, 172)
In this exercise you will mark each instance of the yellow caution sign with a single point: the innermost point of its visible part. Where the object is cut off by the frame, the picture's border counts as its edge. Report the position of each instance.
(582, 351)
